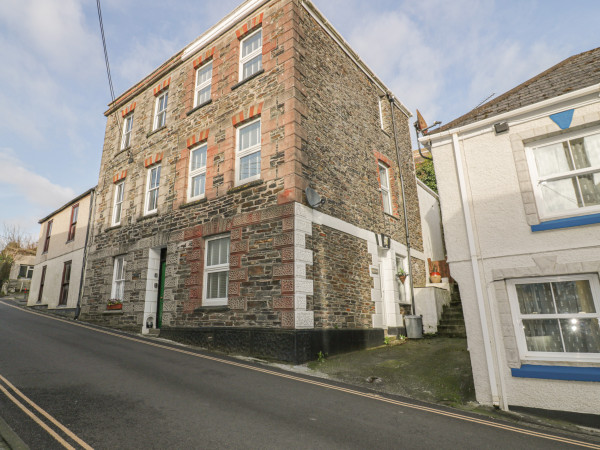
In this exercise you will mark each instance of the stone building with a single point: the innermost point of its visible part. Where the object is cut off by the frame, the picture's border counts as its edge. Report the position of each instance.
(203, 228)
(61, 254)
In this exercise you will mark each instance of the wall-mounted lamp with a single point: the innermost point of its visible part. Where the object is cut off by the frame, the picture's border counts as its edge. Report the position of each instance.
(501, 127)
(383, 240)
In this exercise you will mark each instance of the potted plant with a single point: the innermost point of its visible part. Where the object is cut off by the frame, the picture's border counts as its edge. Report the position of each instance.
(114, 303)
(402, 275)
(435, 276)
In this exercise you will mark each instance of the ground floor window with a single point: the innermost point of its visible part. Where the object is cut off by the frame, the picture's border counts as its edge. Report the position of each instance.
(64, 286)
(42, 281)
(557, 316)
(118, 286)
(216, 270)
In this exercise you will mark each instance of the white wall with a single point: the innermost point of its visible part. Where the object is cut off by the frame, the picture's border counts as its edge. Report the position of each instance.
(431, 223)
(503, 209)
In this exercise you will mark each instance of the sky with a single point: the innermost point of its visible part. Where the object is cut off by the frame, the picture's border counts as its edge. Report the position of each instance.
(442, 57)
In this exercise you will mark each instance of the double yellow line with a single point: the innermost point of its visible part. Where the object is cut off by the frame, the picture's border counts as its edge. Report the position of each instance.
(372, 396)
(13, 392)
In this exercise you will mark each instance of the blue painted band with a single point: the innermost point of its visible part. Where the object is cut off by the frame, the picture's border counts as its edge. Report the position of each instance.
(566, 223)
(557, 372)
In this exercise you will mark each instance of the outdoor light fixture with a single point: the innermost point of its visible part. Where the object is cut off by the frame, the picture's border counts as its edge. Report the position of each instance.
(501, 127)
(383, 240)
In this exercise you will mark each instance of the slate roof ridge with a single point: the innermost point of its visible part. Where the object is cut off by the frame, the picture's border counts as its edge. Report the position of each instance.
(471, 116)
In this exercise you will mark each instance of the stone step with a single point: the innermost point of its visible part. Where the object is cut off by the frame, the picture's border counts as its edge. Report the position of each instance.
(457, 321)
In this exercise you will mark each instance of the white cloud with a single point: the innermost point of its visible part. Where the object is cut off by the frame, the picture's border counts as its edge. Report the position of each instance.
(32, 187)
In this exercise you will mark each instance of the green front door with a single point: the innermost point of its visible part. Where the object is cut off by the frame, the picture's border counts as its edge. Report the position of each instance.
(161, 289)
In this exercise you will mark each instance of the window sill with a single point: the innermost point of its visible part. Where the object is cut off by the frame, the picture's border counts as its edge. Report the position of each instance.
(147, 216)
(391, 216)
(114, 312)
(243, 187)
(567, 222)
(569, 373)
(212, 309)
(112, 227)
(164, 127)
(245, 80)
(200, 106)
(123, 150)
(193, 203)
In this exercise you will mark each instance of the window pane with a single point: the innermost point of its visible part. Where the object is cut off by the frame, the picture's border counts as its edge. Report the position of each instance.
(118, 213)
(542, 335)
(250, 165)
(199, 158)
(75, 214)
(252, 66)
(198, 183)
(535, 298)
(385, 197)
(204, 74)
(249, 136)
(592, 149)
(561, 194)
(217, 252)
(383, 176)
(203, 95)
(552, 159)
(581, 335)
(590, 189)
(574, 297)
(251, 44)
(217, 285)
(152, 197)
(154, 177)
(22, 271)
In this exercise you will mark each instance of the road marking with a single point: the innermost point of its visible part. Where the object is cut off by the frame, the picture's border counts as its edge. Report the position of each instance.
(43, 413)
(377, 397)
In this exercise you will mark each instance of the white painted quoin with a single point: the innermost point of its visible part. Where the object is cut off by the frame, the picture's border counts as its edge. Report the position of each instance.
(528, 279)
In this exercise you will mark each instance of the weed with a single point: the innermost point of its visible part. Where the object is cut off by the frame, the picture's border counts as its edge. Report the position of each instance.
(321, 357)
(387, 340)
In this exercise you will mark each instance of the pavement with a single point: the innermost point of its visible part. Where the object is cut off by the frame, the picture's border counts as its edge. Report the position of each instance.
(430, 371)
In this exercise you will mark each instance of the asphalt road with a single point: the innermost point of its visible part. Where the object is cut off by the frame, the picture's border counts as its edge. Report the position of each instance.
(121, 391)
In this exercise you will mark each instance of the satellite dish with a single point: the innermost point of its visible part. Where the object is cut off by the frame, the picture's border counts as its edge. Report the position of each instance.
(314, 199)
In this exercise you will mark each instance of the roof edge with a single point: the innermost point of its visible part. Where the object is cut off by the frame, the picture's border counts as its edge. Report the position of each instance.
(66, 205)
(515, 112)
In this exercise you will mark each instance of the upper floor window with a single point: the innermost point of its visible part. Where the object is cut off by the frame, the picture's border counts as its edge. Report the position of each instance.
(384, 180)
(160, 111)
(118, 203)
(73, 224)
(42, 281)
(25, 271)
(556, 317)
(197, 178)
(566, 174)
(251, 54)
(216, 270)
(247, 159)
(203, 84)
(127, 127)
(48, 234)
(152, 185)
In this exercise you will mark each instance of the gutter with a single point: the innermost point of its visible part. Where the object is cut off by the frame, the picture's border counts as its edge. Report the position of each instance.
(85, 250)
(487, 344)
(515, 112)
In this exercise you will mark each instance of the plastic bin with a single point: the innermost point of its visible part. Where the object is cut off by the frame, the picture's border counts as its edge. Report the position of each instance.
(414, 327)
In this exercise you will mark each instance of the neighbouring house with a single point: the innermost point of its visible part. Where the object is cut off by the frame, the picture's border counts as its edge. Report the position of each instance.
(21, 271)
(519, 183)
(203, 228)
(60, 258)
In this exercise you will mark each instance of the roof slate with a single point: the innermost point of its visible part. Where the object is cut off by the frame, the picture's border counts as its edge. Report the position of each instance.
(577, 72)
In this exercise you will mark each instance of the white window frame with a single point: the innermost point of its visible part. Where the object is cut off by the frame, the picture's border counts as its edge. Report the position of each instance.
(118, 284)
(536, 180)
(380, 114)
(162, 112)
(518, 318)
(250, 56)
(147, 210)
(118, 203)
(387, 206)
(239, 154)
(206, 84)
(127, 132)
(197, 172)
(213, 269)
